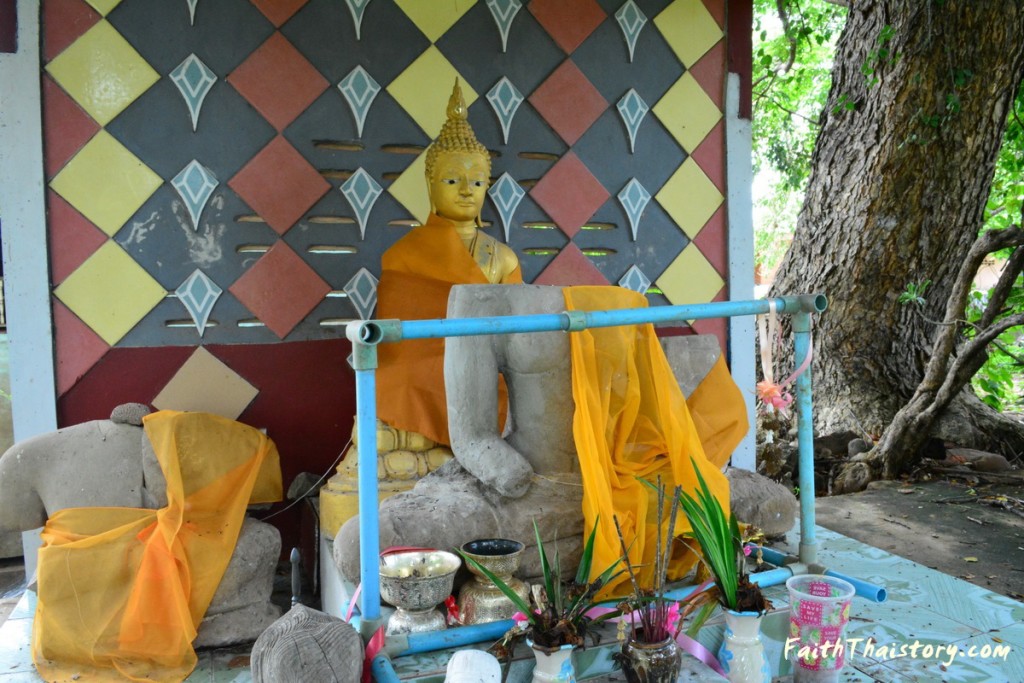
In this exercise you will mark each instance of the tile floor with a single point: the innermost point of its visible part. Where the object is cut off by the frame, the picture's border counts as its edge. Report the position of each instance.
(924, 606)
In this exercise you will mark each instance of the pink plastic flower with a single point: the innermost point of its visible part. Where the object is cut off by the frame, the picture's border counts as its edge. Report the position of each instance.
(672, 618)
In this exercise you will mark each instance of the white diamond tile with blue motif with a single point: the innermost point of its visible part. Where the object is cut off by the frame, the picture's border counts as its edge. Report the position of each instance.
(359, 88)
(506, 195)
(198, 294)
(505, 99)
(361, 191)
(504, 13)
(634, 198)
(631, 21)
(632, 109)
(362, 292)
(195, 184)
(635, 279)
(357, 7)
(193, 79)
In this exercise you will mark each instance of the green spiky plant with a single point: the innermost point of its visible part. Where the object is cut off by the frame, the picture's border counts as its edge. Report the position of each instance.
(720, 547)
(556, 614)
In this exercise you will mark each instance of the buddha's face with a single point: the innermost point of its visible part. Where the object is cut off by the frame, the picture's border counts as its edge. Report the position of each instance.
(459, 185)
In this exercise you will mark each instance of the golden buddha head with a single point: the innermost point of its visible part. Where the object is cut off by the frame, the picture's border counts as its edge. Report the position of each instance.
(458, 167)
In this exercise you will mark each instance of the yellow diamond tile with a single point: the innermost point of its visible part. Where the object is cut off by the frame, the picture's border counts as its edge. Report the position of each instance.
(690, 198)
(206, 385)
(410, 189)
(102, 72)
(104, 6)
(690, 279)
(435, 18)
(110, 292)
(106, 182)
(687, 112)
(689, 29)
(424, 87)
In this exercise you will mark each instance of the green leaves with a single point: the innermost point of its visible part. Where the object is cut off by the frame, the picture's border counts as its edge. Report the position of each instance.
(718, 536)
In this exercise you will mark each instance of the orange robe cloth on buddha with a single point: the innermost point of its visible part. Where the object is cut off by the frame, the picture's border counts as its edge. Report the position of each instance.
(123, 590)
(632, 422)
(417, 273)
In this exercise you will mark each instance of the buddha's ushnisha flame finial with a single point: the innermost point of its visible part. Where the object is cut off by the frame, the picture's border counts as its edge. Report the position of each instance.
(456, 134)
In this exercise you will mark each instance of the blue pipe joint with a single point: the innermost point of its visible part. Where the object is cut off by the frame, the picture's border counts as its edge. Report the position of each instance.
(575, 320)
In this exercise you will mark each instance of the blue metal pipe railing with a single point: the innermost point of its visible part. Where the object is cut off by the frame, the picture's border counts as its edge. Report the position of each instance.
(366, 335)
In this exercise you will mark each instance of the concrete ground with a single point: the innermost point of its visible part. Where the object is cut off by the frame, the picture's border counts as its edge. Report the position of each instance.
(975, 533)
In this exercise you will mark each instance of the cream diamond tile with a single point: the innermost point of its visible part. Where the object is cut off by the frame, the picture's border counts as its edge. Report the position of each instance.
(424, 87)
(110, 292)
(435, 18)
(104, 6)
(687, 112)
(106, 182)
(410, 189)
(205, 384)
(690, 198)
(690, 279)
(102, 72)
(689, 29)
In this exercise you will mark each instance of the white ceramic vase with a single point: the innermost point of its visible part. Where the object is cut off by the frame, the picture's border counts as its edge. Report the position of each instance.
(742, 653)
(553, 666)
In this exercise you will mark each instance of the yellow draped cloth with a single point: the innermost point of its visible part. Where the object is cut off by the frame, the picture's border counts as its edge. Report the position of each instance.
(122, 590)
(417, 273)
(632, 422)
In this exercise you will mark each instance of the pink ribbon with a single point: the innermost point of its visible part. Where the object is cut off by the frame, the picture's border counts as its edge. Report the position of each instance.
(770, 393)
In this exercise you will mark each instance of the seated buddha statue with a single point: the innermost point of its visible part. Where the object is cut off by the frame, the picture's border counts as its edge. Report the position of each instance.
(417, 273)
(590, 415)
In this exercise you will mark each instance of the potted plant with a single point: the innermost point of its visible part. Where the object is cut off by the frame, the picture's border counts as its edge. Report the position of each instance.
(720, 546)
(556, 619)
(649, 629)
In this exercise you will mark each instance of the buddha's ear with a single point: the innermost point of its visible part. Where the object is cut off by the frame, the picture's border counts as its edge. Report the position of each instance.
(479, 222)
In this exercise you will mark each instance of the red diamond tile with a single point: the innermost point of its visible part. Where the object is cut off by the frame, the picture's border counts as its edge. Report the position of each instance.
(279, 184)
(710, 156)
(569, 22)
(716, 8)
(280, 289)
(279, 11)
(716, 326)
(570, 194)
(710, 71)
(122, 375)
(66, 127)
(78, 347)
(571, 267)
(713, 243)
(568, 102)
(73, 237)
(278, 81)
(64, 21)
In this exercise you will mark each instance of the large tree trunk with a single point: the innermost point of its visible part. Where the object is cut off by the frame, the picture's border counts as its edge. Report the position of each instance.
(921, 90)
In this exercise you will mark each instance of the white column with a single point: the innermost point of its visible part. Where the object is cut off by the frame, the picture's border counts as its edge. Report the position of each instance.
(23, 221)
(739, 179)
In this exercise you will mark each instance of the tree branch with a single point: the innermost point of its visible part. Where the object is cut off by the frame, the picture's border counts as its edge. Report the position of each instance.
(1003, 287)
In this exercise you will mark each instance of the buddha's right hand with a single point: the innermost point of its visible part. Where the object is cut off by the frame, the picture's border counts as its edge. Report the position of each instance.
(499, 466)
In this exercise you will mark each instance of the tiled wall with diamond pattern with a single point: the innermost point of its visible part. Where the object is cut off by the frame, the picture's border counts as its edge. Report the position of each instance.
(225, 174)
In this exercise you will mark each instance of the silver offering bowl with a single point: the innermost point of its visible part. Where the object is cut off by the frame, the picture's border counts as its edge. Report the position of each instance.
(480, 601)
(416, 582)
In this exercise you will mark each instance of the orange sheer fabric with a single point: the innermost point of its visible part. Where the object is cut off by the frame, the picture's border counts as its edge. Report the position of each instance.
(122, 590)
(632, 422)
(417, 273)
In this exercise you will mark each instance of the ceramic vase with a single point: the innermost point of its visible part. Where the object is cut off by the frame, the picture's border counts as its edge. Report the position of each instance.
(742, 653)
(553, 666)
(651, 662)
